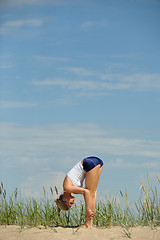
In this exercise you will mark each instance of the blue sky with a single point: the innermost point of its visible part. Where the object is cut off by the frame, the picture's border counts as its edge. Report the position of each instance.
(79, 78)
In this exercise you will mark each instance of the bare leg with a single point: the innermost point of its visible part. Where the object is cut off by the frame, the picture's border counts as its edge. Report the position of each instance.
(91, 183)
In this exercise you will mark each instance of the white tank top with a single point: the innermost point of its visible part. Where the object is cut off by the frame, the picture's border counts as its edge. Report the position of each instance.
(77, 175)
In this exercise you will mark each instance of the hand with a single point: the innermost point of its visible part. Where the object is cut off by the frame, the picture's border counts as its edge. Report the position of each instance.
(90, 213)
(94, 212)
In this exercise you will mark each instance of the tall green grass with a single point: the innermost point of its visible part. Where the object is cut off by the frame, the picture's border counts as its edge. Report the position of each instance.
(114, 212)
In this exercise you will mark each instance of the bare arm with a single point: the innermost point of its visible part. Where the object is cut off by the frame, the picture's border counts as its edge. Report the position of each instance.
(68, 187)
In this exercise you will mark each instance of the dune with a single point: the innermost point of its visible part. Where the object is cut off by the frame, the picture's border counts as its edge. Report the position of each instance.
(13, 232)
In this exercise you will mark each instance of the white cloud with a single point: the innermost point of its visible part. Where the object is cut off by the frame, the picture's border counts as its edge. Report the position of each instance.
(22, 3)
(19, 23)
(136, 82)
(72, 85)
(89, 24)
(47, 152)
(50, 60)
(120, 163)
(23, 22)
(5, 61)
(81, 71)
(65, 144)
(133, 82)
(5, 65)
(13, 104)
(33, 186)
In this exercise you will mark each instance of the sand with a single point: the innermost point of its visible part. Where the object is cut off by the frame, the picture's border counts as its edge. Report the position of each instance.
(111, 233)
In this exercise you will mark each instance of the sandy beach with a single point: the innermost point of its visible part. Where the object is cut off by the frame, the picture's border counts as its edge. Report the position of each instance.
(111, 233)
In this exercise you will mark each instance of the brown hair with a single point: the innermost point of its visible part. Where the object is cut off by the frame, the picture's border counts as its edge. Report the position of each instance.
(62, 205)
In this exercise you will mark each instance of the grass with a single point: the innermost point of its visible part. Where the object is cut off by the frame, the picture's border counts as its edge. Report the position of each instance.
(33, 212)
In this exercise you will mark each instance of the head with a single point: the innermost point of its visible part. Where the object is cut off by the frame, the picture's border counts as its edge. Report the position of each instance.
(64, 202)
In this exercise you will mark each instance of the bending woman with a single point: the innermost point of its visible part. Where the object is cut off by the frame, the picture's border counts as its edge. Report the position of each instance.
(89, 169)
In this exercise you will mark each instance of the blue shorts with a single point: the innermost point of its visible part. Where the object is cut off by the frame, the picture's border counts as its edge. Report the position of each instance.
(91, 162)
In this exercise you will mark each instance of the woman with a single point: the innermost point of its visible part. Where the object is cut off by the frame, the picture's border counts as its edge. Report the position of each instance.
(89, 169)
